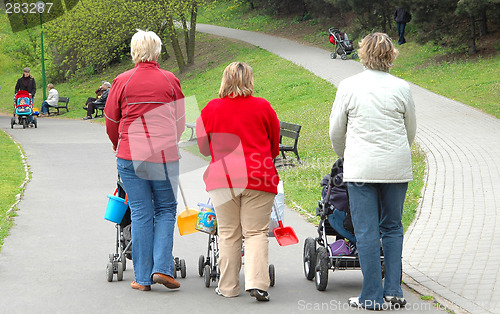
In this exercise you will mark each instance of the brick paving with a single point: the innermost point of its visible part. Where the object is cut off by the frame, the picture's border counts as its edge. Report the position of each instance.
(453, 246)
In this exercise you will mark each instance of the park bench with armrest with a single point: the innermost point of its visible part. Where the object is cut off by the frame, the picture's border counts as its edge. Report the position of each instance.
(292, 131)
(61, 104)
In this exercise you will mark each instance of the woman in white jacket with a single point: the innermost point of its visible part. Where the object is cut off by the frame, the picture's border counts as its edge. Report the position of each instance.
(372, 126)
(52, 99)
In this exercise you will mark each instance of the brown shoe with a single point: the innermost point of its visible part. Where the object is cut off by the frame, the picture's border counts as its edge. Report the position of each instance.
(166, 280)
(137, 286)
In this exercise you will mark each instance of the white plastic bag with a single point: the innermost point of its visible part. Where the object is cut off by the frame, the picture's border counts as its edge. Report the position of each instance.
(278, 206)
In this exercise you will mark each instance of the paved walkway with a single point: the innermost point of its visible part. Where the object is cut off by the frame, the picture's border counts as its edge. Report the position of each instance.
(453, 247)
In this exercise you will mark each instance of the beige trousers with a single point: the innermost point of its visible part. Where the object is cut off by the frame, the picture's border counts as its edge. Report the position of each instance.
(242, 214)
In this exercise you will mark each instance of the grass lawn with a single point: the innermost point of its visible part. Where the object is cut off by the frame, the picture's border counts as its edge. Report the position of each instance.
(11, 177)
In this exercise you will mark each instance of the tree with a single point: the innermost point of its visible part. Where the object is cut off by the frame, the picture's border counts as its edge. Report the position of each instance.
(97, 33)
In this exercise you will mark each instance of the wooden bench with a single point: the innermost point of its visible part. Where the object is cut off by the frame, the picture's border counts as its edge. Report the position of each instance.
(191, 126)
(292, 131)
(62, 100)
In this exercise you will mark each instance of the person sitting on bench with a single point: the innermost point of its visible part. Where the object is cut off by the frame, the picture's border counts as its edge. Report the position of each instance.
(100, 101)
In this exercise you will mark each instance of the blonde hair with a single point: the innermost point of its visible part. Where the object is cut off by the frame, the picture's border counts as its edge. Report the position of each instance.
(145, 46)
(237, 80)
(377, 52)
(51, 86)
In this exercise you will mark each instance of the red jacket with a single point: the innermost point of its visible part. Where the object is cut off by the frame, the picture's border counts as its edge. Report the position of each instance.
(145, 114)
(243, 139)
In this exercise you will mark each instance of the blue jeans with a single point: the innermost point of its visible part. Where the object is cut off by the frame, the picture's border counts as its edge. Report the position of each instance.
(45, 107)
(151, 190)
(376, 210)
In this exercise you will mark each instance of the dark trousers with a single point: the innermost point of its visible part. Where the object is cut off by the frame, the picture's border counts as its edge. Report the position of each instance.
(401, 32)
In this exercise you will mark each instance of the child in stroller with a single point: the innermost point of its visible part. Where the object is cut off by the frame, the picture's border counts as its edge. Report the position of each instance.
(23, 111)
(342, 46)
(335, 220)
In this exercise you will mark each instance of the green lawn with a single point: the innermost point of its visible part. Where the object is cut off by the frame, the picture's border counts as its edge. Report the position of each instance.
(12, 175)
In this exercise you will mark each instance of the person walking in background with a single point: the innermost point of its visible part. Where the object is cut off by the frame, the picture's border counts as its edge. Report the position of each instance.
(27, 83)
(401, 16)
(372, 126)
(241, 133)
(52, 100)
(144, 121)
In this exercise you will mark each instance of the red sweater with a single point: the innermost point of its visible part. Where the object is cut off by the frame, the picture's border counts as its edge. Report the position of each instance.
(243, 139)
(145, 114)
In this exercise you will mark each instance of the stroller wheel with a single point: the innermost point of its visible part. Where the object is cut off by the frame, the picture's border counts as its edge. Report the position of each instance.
(201, 265)
(322, 269)
(344, 57)
(183, 268)
(35, 122)
(355, 55)
(12, 122)
(124, 262)
(309, 258)
(109, 272)
(272, 275)
(206, 275)
(333, 55)
(119, 274)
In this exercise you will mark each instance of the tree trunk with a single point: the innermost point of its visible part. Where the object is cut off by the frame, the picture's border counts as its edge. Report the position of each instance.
(472, 39)
(192, 33)
(483, 23)
(186, 33)
(164, 54)
(179, 57)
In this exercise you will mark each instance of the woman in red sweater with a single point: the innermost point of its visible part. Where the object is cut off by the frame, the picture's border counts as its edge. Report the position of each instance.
(241, 133)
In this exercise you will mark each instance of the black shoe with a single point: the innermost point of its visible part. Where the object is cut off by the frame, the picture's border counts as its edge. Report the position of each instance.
(395, 301)
(87, 118)
(260, 295)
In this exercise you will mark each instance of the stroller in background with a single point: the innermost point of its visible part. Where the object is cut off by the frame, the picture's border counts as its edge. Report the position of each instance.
(335, 220)
(117, 262)
(23, 111)
(342, 46)
(208, 267)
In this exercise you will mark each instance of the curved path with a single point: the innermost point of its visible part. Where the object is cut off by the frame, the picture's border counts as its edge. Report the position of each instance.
(453, 247)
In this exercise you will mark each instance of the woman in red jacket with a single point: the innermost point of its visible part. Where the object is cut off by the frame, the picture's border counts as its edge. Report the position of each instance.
(144, 121)
(241, 133)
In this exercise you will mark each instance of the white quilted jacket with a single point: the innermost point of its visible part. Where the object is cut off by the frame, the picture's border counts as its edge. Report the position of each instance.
(372, 126)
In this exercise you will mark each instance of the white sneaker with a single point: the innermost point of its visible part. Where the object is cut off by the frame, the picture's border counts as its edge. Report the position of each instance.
(354, 302)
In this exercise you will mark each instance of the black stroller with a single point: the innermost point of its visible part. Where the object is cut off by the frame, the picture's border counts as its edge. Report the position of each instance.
(335, 221)
(117, 262)
(342, 46)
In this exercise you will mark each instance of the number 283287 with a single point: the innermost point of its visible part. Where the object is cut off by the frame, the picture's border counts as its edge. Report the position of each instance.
(28, 8)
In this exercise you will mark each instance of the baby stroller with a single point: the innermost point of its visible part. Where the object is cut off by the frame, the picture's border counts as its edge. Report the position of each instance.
(23, 111)
(335, 220)
(209, 268)
(342, 46)
(117, 262)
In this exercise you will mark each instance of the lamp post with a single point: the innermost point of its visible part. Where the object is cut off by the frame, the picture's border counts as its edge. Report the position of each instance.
(40, 6)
